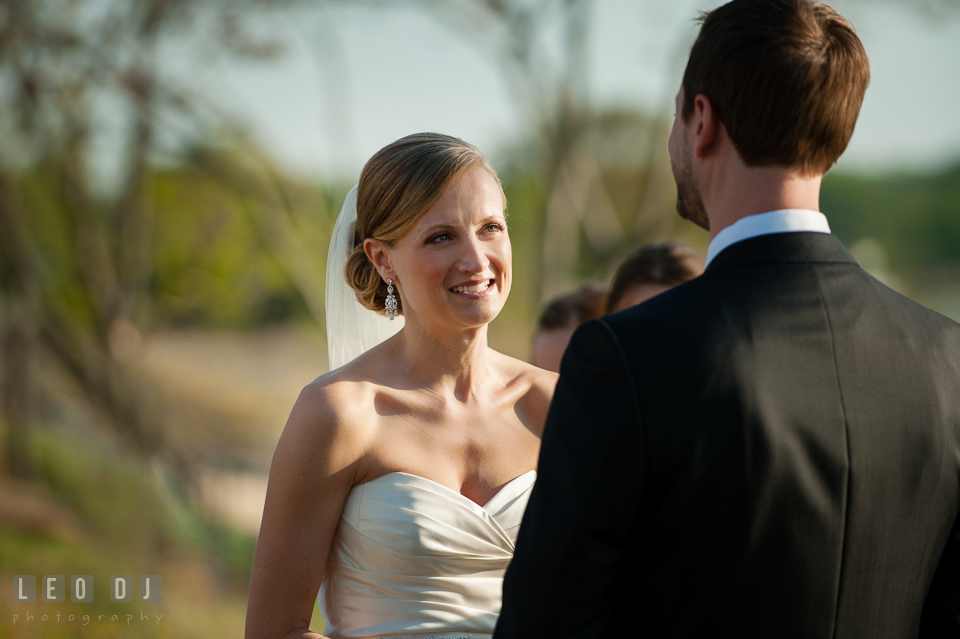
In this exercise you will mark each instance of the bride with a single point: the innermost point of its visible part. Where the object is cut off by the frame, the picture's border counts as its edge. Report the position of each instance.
(398, 484)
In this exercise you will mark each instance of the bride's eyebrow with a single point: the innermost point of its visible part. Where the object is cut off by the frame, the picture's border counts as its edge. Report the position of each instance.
(429, 232)
(438, 227)
(493, 217)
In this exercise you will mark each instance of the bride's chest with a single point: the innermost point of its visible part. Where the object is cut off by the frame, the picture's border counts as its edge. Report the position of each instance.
(401, 514)
(474, 453)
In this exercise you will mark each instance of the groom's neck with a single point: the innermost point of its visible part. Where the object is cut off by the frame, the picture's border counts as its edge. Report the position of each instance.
(740, 191)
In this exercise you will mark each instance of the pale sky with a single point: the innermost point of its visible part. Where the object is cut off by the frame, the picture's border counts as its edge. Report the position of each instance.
(406, 73)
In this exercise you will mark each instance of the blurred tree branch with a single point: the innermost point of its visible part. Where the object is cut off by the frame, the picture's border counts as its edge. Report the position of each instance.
(542, 53)
(77, 265)
(297, 242)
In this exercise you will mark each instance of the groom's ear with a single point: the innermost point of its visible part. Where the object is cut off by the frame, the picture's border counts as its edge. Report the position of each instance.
(706, 126)
(377, 253)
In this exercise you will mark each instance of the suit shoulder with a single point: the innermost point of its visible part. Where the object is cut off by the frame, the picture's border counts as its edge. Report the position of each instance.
(667, 308)
(597, 345)
(913, 312)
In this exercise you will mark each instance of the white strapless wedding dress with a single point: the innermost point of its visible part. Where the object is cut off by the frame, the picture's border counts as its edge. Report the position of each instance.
(412, 558)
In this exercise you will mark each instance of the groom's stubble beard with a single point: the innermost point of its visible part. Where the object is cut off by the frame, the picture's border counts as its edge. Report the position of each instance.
(689, 203)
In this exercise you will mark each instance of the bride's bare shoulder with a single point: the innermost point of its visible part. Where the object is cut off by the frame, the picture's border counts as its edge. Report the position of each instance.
(332, 421)
(540, 380)
(537, 387)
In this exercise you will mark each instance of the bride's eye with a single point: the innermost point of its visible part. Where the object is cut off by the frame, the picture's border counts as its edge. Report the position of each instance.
(494, 226)
(434, 239)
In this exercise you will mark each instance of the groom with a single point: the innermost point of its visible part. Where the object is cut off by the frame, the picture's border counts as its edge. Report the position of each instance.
(773, 449)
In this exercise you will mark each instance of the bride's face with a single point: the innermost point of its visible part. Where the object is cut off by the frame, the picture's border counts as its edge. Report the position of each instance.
(454, 266)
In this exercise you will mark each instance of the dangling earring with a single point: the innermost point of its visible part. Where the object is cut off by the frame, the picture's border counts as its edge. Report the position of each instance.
(391, 302)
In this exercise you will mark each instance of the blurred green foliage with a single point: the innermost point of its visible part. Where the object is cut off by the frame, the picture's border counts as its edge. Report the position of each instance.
(126, 520)
(212, 269)
(914, 217)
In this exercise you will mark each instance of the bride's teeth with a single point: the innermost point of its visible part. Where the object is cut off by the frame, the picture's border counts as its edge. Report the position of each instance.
(472, 289)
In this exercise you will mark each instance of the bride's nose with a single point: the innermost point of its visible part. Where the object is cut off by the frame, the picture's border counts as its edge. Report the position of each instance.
(473, 259)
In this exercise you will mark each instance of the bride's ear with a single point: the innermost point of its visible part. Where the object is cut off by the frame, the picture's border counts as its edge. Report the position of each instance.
(378, 255)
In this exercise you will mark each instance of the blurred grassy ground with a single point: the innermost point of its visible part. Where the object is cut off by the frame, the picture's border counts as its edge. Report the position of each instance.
(94, 510)
(96, 513)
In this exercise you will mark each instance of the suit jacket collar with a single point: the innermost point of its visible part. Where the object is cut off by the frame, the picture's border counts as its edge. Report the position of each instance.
(780, 248)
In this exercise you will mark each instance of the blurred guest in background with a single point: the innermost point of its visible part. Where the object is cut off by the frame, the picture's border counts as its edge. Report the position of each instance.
(651, 270)
(560, 318)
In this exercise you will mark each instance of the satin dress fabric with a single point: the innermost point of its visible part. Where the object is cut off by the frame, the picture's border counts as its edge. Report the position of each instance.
(412, 558)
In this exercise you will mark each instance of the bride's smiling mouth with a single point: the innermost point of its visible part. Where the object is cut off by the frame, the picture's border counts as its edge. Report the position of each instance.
(474, 289)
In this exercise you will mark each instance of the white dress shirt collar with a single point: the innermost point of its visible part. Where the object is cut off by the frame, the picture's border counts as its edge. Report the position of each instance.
(783, 221)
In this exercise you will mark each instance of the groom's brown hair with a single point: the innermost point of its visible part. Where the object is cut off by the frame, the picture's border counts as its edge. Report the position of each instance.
(786, 78)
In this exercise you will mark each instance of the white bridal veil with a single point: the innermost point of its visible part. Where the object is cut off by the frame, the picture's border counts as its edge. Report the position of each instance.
(351, 328)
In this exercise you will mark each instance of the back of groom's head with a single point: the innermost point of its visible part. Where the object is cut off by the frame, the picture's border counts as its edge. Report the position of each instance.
(786, 77)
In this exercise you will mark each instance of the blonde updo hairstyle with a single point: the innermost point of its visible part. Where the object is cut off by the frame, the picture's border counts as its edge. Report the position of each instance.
(397, 186)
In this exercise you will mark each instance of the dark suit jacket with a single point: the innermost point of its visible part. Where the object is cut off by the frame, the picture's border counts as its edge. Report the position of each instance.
(769, 451)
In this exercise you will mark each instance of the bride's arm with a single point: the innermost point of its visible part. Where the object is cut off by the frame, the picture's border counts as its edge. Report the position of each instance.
(313, 468)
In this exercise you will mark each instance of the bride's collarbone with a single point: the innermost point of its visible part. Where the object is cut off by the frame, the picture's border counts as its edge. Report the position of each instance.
(440, 422)
(471, 455)
(445, 428)
(476, 445)
(430, 401)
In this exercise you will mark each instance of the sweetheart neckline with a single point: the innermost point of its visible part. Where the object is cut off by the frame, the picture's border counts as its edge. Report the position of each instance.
(451, 490)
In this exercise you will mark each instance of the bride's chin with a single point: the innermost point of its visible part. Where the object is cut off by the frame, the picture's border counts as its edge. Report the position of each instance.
(477, 317)
(452, 318)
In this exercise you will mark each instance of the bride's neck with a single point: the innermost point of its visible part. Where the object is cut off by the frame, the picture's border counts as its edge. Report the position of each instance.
(451, 363)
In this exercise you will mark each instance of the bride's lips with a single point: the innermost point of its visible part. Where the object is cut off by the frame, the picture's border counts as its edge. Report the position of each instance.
(490, 282)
